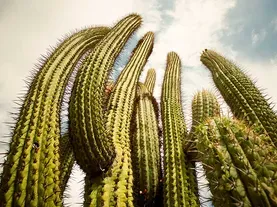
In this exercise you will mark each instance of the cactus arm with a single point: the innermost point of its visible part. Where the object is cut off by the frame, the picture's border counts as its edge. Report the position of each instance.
(66, 160)
(176, 186)
(240, 93)
(118, 183)
(31, 171)
(145, 147)
(94, 149)
(150, 80)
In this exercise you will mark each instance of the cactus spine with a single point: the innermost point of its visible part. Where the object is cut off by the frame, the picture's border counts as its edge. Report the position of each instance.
(145, 146)
(31, 174)
(94, 150)
(239, 163)
(240, 93)
(177, 191)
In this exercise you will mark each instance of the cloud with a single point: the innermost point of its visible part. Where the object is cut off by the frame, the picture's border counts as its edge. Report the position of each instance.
(258, 37)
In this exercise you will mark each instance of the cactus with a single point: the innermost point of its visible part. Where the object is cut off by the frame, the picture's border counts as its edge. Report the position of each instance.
(117, 185)
(204, 105)
(240, 93)
(150, 80)
(31, 174)
(240, 163)
(93, 148)
(145, 147)
(177, 191)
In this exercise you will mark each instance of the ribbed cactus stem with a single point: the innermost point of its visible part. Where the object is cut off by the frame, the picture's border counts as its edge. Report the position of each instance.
(204, 105)
(240, 93)
(177, 190)
(150, 80)
(253, 160)
(118, 182)
(93, 148)
(31, 174)
(66, 159)
(145, 147)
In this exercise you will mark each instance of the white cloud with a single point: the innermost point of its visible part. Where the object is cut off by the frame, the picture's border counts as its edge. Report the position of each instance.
(274, 24)
(258, 37)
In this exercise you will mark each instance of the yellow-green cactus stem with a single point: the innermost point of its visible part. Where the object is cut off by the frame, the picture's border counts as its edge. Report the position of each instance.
(253, 159)
(177, 191)
(31, 174)
(66, 160)
(150, 80)
(240, 93)
(145, 147)
(93, 147)
(204, 105)
(117, 187)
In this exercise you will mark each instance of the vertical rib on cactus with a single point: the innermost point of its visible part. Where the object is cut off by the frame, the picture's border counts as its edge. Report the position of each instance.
(93, 148)
(145, 148)
(66, 160)
(253, 159)
(118, 182)
(31, 175)
(150, 80)
(176, 187)
(240, 93)
(204, 105)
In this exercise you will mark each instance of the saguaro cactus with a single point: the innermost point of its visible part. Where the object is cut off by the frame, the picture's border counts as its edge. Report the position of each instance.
(31, 175)
(145, 147)
(93, 147)
(240, 164)
(177, 189)
(117, 189)
(240, 93)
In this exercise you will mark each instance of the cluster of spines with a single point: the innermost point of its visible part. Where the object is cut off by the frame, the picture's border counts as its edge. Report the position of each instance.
(177, 191)
(240, 93)
(117, 184)
(145, 144)
(92, 144)
(31, 174)
(240, 165)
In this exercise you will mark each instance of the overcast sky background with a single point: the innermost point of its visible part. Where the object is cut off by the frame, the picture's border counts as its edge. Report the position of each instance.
(244, 31)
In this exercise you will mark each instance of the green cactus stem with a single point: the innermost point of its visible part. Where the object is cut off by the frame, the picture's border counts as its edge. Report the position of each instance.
(117, 187)
(240, 93)
(93, 148)
(145, 147)
(238, 162)
(177, 190)
(204, 105)
(150, 80)
(31, 174)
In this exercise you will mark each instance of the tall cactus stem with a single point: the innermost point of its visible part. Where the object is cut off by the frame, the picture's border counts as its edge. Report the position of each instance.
(150, 80)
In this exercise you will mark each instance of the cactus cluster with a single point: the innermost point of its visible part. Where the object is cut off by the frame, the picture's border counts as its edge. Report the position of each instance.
(114, 131)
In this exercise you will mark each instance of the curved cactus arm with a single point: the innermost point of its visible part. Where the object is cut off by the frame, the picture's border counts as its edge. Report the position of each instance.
(150, 80)
(176, 185)
(145, 148)
(93, 149)
(118, 181)
(240, 93)
(31, 175)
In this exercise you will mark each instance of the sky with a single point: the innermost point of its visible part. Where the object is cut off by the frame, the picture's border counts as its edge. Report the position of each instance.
(244, 31)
